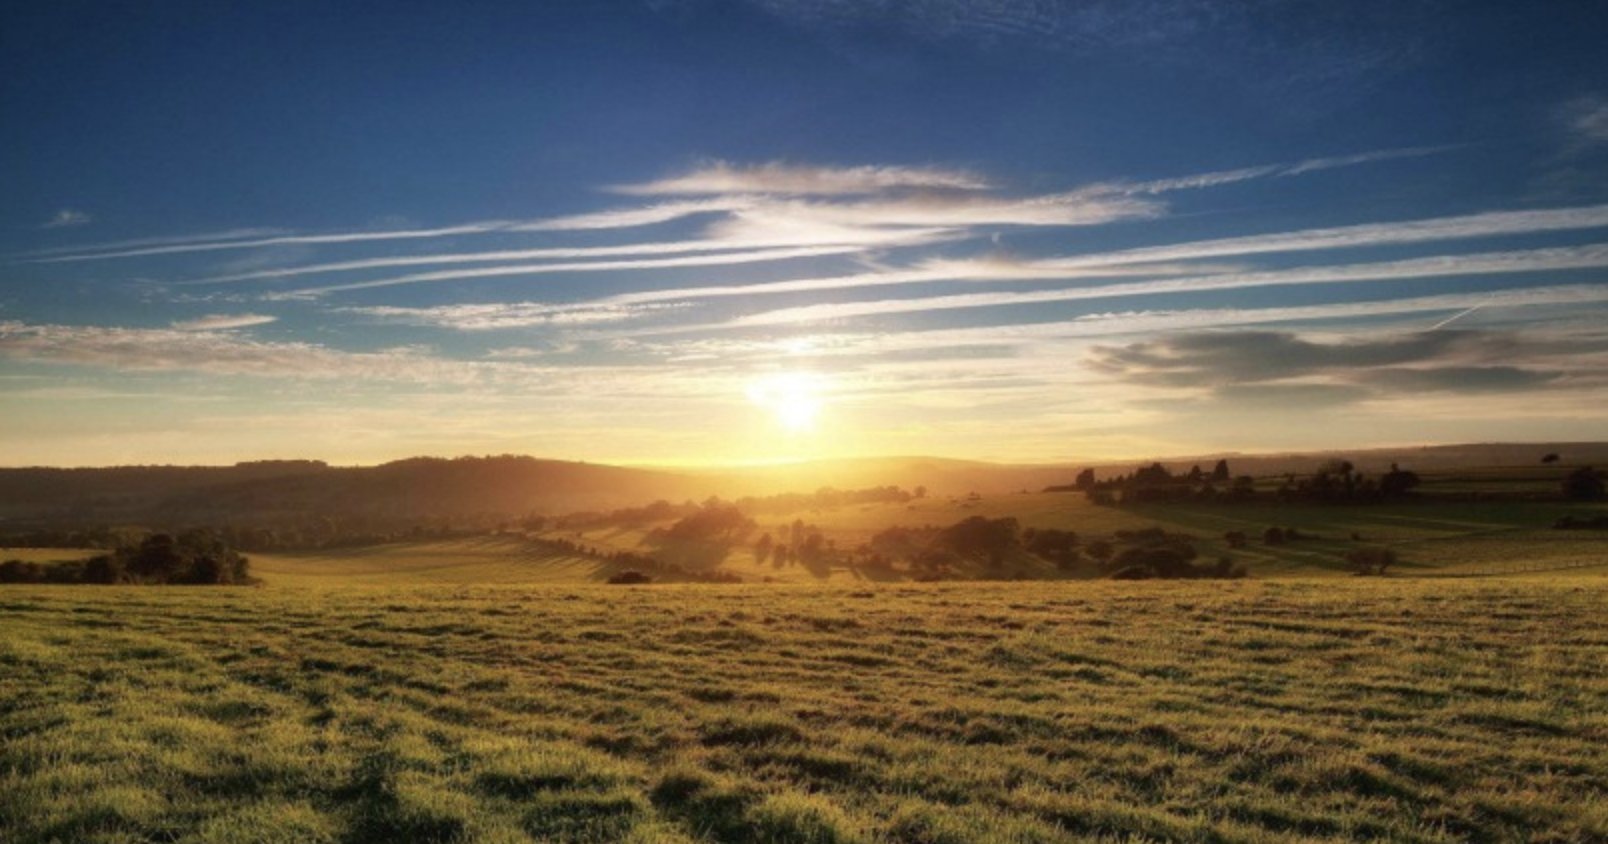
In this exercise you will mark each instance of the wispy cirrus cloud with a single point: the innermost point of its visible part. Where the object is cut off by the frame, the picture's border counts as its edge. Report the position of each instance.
(625, 218)
(767, 203)
(1586, 120)
(137, 243)
(210, 351)
(1310, 165)
(223, 322)
(501, 315)
(1056, 333)
(67, 218)
(1534, 260)
(721, 177)
(847, 238)
(1155, 260)
(715, 259)
(213, 245)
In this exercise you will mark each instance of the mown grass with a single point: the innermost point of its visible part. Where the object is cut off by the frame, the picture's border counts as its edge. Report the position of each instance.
(1201, 711)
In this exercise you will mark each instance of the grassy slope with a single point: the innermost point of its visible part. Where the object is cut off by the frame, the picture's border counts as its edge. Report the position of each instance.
(1249, 710)
(480, 560)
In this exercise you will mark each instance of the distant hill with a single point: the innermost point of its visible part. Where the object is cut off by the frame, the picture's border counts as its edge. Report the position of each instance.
(265, 492)
(943, 476)
(1429, 458)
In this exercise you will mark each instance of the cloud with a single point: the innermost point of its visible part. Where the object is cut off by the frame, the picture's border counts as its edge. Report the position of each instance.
(1586, 119)
(212, 352)
(486, 317)
(1151, 260)
(223, 322)
(118, 245)
(734, 243)
(1286, 397)
(720, 177)
(1236, 357)
(622, 218)
(210, 245)
(1462, 379)
(1225, 177)
(719, 259)
(755, 205)
(1574, 257)
(67, 218)
(1053, 335)
(1274, 367)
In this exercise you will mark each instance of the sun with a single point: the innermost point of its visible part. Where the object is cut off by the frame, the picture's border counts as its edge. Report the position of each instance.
(794, 398)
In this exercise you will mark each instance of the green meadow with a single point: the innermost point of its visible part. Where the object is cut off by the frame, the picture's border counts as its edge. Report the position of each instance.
(1299, 709)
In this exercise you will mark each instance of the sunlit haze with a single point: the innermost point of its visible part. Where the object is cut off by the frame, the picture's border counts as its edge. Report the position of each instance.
(688, 233)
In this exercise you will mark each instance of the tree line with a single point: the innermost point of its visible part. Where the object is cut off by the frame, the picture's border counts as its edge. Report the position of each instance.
(195, 557)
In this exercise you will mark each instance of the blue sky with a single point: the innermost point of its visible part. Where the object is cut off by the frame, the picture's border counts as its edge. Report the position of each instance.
(686, 232)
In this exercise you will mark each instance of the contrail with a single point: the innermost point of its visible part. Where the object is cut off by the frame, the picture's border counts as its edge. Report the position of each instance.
(1455, 317)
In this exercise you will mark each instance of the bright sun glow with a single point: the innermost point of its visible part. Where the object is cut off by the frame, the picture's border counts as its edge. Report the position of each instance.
(793, 397)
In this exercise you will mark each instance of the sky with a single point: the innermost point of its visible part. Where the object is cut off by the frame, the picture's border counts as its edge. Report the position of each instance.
(685, 232)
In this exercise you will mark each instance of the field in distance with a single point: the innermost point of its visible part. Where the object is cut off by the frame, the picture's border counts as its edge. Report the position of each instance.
(1430, 537)
(1249, 710)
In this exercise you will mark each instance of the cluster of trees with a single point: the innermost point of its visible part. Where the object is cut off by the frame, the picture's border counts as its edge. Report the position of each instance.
(827, 497)
(936, 553)
(298, 533)
(1155, 483)
(193, 558)
(1152, 553)
(1336, 481)
(713, 522)
(791, 502)
(637, 568)
(802, 543)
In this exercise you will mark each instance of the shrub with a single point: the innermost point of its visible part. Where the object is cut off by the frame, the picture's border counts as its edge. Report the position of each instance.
(1581, 523)
(630, 577)
(1583, 484)
(1371, 561)
(19, 571)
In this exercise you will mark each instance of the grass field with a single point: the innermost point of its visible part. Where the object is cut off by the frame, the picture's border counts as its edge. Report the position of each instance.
(1430, 537)
(47, 555)
(1259, 710)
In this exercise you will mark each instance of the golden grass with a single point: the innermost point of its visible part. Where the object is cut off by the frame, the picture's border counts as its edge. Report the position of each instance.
(1332, 709)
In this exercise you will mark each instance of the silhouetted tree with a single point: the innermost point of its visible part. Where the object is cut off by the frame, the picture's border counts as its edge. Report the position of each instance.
(1583, 484)
(1550, 458)
(980, 535)
(1220, 472)
(1397, 482)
